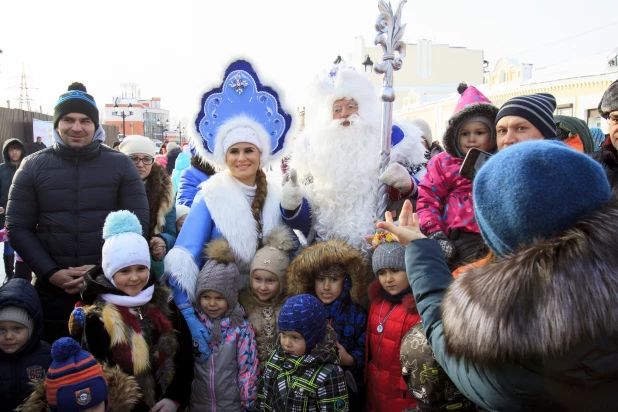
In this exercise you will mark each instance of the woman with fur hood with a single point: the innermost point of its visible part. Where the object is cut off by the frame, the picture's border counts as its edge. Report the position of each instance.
(241, 137)
(264, 298)
(535, 328)
(130, 321)
(335, 273)
(160, 192)
(444, 203)
(191, 178)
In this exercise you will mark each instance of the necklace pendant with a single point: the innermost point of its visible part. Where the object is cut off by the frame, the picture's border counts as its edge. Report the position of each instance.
(380, 328)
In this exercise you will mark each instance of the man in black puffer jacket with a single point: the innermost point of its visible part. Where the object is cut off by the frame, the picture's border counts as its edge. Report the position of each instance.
(59, 201)
(20, 366)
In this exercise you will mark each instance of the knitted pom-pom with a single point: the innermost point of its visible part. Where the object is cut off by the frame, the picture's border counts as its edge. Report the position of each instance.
(219, 250)
(462, 88)
(63, 348)
(119, 222)
(77, 86)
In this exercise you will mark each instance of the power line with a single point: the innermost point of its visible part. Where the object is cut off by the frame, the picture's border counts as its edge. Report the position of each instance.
(567, 38)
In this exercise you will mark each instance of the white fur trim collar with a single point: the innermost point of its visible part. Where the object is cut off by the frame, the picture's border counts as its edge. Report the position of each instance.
(232, 215)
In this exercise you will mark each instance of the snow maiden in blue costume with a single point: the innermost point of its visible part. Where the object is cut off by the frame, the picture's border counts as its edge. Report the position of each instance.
(241, 128)
(337, 161)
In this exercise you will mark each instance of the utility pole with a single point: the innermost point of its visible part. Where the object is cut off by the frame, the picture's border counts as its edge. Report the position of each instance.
(24, 98)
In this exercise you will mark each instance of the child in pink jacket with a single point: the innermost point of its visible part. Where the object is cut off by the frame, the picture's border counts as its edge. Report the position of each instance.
(444, 204)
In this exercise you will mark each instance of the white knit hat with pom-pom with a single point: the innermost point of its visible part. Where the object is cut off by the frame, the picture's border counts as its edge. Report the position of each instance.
(124, 244)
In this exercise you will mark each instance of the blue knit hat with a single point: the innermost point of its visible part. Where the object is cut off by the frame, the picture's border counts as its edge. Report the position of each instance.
(306, 315)
(538, 109)
(534, 190)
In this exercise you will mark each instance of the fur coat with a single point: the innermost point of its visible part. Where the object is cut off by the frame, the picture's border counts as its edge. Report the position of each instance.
(151, 342)
(124, 393)
(536, 330)
(160, 192)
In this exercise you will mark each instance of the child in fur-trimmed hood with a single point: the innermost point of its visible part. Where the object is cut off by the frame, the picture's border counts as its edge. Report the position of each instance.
(335, 273)
(130, 322)
(444, 205)
(264, 298)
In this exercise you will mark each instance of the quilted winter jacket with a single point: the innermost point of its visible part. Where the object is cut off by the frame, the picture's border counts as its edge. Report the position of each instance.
(229, 378)
(445, 198)
(308, 383)
(57, 207)
(19, 370)
(386, 389)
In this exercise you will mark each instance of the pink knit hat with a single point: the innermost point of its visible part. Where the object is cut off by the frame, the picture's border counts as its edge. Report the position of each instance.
(469, 95)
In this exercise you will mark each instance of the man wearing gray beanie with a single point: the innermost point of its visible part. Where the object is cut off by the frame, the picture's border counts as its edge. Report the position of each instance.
(608, 155)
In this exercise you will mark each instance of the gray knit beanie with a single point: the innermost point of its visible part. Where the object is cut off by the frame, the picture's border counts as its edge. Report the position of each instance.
(17, 315)
(391, 255)
(220, 274)
(609, 101)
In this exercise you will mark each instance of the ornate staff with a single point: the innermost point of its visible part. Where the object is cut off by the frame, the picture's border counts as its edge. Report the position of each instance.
(390, 32)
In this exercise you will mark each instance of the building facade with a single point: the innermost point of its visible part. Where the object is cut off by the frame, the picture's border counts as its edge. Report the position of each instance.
(147, 118)
(578, 86)
(431, 71)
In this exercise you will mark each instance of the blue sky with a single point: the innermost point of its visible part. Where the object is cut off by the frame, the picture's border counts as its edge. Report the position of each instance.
(175, 49)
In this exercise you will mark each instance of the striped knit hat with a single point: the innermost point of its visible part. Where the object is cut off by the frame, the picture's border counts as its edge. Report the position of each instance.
(537, 108)
(306, 315)
(75, 380)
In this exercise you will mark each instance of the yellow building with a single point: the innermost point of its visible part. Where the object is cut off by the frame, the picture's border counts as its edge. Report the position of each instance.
(433, 71)
(578, 86)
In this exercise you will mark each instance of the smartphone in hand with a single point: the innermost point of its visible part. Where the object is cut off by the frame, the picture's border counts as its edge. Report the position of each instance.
(473, 162)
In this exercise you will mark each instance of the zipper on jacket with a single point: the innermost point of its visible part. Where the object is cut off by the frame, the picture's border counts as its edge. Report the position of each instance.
(375, 390)
(213, 397)
(76, 206)
(139, 313)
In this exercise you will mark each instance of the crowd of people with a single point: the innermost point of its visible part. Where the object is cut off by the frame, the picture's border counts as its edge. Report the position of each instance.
(201, 280)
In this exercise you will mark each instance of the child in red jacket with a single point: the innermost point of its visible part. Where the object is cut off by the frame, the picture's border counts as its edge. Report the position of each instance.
(392, 313)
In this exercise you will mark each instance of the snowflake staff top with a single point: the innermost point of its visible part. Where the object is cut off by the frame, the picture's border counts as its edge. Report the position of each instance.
(390, 32)
(241, 106)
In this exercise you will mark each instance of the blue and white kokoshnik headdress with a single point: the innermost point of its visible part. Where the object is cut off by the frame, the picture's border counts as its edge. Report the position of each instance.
(241, 109)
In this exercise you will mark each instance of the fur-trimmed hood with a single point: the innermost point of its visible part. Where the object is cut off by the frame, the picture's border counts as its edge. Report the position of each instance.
(450, 139)
(542, 301)
(301, 274)
(95, 284)
(124, 393)
(408, 301)
(160, 192)
(202, 165)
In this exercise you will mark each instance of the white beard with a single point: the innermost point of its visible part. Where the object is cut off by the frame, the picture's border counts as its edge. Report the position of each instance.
(344, 164)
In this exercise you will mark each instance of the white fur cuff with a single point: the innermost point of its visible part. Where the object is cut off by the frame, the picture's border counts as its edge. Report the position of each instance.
(181, 268)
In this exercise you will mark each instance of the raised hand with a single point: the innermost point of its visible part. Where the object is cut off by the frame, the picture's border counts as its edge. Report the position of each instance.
(408, 229)
(291, 195)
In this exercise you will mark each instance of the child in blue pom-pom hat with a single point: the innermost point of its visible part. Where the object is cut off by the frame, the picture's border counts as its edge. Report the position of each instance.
(131, 321)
